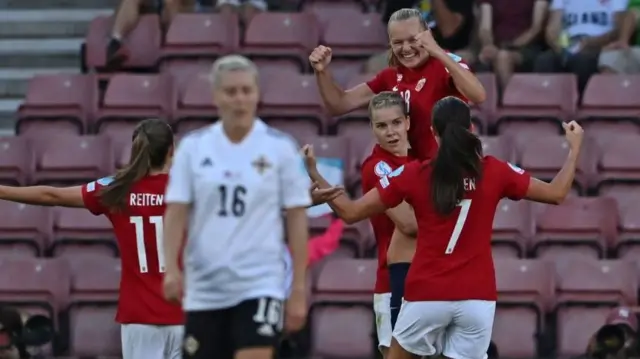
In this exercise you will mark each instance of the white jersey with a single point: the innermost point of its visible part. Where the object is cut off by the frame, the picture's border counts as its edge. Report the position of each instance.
(235, 249)
(589, 17)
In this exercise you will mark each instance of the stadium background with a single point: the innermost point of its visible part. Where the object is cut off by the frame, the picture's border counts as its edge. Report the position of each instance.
(67, 120)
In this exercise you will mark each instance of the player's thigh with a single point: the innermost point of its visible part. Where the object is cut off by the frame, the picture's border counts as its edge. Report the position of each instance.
(206, 335)
(421, 326)
(173, 335)
(257, 323)
(381, 308)
(140, 341)
(470, 335)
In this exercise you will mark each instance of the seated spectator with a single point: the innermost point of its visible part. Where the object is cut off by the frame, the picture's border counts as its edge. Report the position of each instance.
(577, 31)
(619, 56)
(510, 35)
(126, 18)
(245, 8)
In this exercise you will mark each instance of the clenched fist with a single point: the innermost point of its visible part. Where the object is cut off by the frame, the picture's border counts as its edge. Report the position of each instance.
(320, 58)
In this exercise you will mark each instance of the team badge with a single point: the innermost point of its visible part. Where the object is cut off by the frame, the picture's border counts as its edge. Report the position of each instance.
(399, 78)
(191, 345)
(515, 168)
(420, 84)
(382, 169)
(261, 164)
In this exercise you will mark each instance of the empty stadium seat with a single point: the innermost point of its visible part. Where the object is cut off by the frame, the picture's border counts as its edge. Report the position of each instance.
(483, 114)
(16, 160)
(60, 103)
(545, 99)
(355, 35)
(360, 138)
(201, 35)
(360, 114)
(334, 149)
(617, 157)
(324, 11)
(575, 327)
(498, 146)
(282, 35)
(143, 43)
(580, 226)
(24, 229)
(183, 71)
(195, 102)
(611, 101)
(627, 197)
(77, 231)
(511, 228)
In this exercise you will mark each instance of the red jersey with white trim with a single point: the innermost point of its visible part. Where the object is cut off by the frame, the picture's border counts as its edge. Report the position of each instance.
(138, 230)
(379, 164)
(421, 88)
(453, 258)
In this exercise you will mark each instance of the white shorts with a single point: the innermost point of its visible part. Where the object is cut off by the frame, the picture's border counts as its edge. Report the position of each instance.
(456, 329)
(142, 341)
(381, 308)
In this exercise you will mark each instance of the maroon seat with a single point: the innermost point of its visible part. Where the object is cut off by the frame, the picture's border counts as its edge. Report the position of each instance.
(484, 113)
(498, 146)
(580, 226)
(72, 159)
(610, 99)
(195, 102)
(277, 35)
(60, 103)
(201, 35)
(24, 229)
(95, 279)
(360, 114)
(515, 341)
(359, 35)
(576, 325)
(325, 11)
(182, 71)
(134, 96)
(617, 160)
(143, 43)
(627, 197)
(342, 332)
(76, 232)
(296, 97)
(345, 280)
(16, 160)
(331, 148)
(120, 134)
(511, 228)
(538, 97)
(588, 280)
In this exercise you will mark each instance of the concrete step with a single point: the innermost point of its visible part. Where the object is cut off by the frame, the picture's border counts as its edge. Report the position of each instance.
(47, 23)
(40, 53)
(64, 4)
(13, 82)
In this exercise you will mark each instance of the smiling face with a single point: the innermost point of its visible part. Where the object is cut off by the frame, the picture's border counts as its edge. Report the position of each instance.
(403, 44)
(390, 128)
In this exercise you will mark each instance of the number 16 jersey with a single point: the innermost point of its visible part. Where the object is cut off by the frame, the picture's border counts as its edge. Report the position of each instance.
(138, 230)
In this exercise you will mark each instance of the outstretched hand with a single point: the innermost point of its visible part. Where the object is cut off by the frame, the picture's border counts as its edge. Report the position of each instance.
(324, 195)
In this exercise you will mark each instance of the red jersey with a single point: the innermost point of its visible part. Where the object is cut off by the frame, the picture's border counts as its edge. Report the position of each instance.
(453, 258)
(379, 164)
(138, 230)
(421, 88)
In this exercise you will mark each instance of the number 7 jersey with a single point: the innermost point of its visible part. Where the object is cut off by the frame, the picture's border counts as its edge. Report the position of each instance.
(138, 231)
(453, 259)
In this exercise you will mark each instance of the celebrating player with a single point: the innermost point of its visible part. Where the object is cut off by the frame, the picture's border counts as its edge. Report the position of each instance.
(450, 292)
(419, 70)
(394, 230)
(229, 184)
(133, 201)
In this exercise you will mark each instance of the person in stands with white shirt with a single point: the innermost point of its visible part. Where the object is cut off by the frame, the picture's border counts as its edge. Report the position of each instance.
(228, 187)
(576, 32)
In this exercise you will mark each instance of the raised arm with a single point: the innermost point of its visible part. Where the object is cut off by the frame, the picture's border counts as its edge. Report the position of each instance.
(44, 195)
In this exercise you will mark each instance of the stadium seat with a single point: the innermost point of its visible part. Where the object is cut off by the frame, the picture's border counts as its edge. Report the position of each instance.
(131, 97)
(24, 229)
(57, 103)
(575, 327)
(294, 97)
(201, 35)
(332, 148)
(72, 159)
(610, 102)
(77, 232)
(16, 160)
(627, 197)
(511, 228)
(344, 69)
(282, 35)
(195, 102)
(325, 11)
(355, 35)
(581, 226)
(618, 157)
(544, 99)
(484, 113)
(345, 280)
(500, 147)
(183, 71)
(143, 43)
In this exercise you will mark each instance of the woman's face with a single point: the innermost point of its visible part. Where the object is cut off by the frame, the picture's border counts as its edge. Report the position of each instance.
(236, 94)
(390, 128)
(403, 44)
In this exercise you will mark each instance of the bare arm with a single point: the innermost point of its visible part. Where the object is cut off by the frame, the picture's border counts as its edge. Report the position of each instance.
(338, 101)
(298, 235)
(598, 42)
(175, 226)
(44, 195)
(540, 8)
(404, 218)
(552, 32)
(486, 24)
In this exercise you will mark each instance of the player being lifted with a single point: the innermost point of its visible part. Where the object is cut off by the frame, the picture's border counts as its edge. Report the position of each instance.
(133, 200)
(450, 291)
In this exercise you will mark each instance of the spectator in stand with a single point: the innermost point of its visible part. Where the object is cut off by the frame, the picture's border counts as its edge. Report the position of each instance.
(576, 32)
(126, 18)
(247, 9)
(510, 35)
(619, 56)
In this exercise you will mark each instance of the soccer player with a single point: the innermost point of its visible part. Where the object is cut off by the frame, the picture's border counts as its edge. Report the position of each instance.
(394, 230)
(419, 70)
(133, 200)
(229, 186)
(450, 291)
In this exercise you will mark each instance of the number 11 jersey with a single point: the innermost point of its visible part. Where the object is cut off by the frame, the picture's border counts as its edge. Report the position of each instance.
(138, 230)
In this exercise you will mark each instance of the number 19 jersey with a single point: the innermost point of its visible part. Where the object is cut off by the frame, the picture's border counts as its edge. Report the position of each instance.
(138, 230)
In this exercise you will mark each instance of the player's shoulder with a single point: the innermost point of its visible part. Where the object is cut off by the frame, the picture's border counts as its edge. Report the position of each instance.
(93, 186)
(280, 138)
(495, 165)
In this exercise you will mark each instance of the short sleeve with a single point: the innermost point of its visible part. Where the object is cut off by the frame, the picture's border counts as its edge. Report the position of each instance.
(557, 5)
(294, 180)
(453, 90)
(372, 170)
(393, 189)
(381, 81)
(180, 187)
(515, 181)
(90, 195)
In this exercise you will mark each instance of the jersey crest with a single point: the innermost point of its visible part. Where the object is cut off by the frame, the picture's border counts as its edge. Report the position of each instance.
(382, 169)
(420, 84)
(516, 169)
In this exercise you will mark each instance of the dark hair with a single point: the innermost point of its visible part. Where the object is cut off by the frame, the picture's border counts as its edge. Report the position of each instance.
(386, 99)
(152, 141)
(403, 15)
(459, 155)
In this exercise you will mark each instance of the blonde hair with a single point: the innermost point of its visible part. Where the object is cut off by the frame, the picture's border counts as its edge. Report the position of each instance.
(387, 99)
(403, 15)
(231, 63)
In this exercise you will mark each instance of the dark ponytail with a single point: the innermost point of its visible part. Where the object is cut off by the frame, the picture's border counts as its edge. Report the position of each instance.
(152, 141)
(459, 154)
